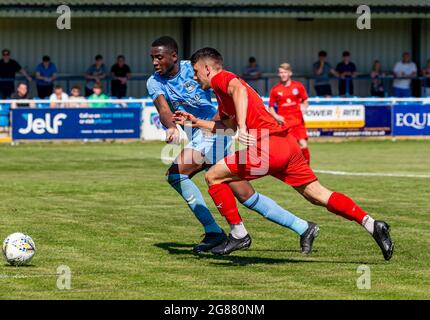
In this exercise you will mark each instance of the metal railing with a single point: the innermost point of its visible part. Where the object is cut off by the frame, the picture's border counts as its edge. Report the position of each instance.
(267, 80)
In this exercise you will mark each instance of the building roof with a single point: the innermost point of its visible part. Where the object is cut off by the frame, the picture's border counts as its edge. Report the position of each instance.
(217, 8)
(215, 3)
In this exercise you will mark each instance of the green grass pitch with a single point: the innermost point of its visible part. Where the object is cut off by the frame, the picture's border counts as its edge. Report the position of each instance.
(105, 211)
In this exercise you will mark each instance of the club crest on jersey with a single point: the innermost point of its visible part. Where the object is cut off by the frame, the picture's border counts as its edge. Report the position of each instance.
(295, 91)
(190, 86)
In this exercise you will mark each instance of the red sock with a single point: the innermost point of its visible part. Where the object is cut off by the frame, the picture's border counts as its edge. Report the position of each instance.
(342, 205)
(306, 154)
(225, 202)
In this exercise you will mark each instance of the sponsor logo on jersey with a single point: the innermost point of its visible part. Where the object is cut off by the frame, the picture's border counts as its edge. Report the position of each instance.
(190, 86)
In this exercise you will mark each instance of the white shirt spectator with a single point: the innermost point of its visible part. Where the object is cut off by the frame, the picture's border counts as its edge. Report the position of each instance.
(53, 97)
(402, 69)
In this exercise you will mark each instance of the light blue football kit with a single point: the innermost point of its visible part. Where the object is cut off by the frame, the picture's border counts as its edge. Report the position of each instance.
(183, 93)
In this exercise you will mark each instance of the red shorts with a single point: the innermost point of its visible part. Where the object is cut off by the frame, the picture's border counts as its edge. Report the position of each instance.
(299, 132)
(276, 155)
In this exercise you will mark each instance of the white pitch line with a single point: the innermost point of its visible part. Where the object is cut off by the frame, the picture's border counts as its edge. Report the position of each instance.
(359, 174)
(373, 174)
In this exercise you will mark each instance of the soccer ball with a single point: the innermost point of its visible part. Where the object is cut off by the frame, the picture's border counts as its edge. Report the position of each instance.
(18, 249)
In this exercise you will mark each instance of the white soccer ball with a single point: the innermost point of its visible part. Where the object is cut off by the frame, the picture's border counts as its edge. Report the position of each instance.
(18, 249)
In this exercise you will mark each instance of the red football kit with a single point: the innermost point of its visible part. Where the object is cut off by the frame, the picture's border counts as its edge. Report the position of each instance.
(276, 153)
(288, 100)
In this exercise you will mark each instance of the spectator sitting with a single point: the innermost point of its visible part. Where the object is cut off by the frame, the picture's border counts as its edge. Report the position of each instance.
(120, 74)
(8, 70)
(426, 75)
(46, 73)
(377, 88)
(21, 93)
(95, 74)
(252, 73)
(404, 69)
(75, 94)
(346, 70)
(58, 97)
(322, 70)
(98, 95)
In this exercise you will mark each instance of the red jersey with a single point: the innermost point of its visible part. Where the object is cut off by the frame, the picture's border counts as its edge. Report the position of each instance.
(288, 100)
(257, 116)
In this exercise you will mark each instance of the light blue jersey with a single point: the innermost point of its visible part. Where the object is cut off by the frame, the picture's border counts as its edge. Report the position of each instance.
(183, 93)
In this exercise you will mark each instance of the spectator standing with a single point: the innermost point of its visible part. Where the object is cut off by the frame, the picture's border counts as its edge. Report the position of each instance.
(8, 69)
(98, 95)
(58, 97)
(346, 71)
(46, 73)
(21, 93)
(76, 99)
(377, 87)
(404, 69)
(95, 74)
(322, 71)
(120, 73)
(252, 73)
(426, 75)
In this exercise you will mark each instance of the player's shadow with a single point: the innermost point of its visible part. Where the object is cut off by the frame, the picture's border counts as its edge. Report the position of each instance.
(186, 249)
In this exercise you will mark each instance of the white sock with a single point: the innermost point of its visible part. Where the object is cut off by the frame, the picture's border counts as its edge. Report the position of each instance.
(238, 231)
(368, 223)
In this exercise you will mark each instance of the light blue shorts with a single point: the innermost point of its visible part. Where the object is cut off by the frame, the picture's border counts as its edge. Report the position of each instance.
(213, 147)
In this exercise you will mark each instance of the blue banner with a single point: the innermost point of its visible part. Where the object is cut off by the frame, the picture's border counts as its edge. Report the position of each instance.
(411, 120)
(377, 122)
(81, 123)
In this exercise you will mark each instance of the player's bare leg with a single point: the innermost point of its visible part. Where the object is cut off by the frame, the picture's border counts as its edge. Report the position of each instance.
(186, 165)
(222, 182)
(342, 205)
(272, 211)
(218, 178)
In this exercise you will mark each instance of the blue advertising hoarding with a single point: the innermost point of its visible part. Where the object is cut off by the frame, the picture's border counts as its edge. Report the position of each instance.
(411, 120)
(376, 122)
(80, 123)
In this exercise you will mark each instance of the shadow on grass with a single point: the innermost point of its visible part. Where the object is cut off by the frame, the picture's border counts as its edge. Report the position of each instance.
(186, 249)
(7, 265)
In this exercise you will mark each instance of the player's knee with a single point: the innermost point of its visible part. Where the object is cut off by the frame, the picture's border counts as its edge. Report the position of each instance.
(174, 178)
(243, 195)
(210, 177)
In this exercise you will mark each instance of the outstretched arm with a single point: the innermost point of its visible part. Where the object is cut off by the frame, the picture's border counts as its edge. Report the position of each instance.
(172, 135)
(228, 126)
